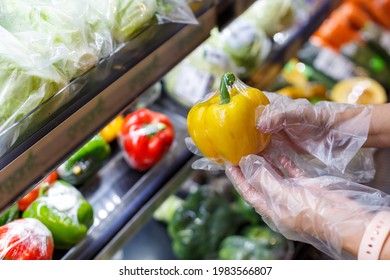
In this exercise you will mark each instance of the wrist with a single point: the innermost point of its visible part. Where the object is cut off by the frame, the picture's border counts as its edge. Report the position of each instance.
(374, 242)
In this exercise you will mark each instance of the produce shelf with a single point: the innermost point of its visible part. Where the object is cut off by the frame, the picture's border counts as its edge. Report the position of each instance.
(118, 193)
(95, 98)
(123, 199)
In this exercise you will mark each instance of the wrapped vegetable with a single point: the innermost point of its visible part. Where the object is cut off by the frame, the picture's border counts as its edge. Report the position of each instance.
(256, 243)
(201, 223)
(26, 200)
(26, 80)
(64, 211)
(25, 239)
(198, 74)
(127, 18)
(145, 137)
(245, 45)
(223, 127)
(85, 162)
(67, 33)
(271, 16)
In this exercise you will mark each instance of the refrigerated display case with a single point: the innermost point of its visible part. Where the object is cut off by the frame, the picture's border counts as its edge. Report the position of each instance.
(124, 199)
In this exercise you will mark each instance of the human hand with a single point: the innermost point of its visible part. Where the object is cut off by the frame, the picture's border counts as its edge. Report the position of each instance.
(327, 212)
(331, 132)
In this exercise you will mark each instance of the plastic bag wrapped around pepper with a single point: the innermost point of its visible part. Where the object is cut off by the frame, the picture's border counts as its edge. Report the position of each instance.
(145, 137)
(65, 212)
(223, 126)
(25, 239)
(326, 138)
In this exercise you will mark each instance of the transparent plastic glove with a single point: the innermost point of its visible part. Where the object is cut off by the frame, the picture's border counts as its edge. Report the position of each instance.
(328, 212)
(331, 132)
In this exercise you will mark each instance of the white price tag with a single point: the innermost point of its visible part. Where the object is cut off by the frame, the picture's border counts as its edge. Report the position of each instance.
(192, 84)
(216, 56)
(239, 34)
(333, 64)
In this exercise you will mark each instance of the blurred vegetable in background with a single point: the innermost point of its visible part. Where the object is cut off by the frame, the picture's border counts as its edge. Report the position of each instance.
(145, 137)
(65, 212)
(85, 162)
(25, 239)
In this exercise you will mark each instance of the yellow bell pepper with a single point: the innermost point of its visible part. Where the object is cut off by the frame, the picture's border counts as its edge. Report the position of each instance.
(110, 131)
(223, 127)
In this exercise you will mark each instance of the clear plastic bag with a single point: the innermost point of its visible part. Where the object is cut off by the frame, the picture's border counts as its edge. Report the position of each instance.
(27, 80)
(69, 34)
(127, 18)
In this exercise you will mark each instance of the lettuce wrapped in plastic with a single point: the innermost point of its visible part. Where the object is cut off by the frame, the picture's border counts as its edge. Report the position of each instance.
(127, 18)
(26, 80)
(271, 16)
(68, 33)
(246, 45)
(198, 74)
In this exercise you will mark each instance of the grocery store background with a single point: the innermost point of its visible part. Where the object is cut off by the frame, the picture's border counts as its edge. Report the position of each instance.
(75, 88)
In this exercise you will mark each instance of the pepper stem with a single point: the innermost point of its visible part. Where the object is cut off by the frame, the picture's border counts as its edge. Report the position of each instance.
(227, 80)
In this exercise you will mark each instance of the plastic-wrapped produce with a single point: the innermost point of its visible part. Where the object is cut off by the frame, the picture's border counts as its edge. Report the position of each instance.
(245, 45)
(127, 18)
(26, 81)
(64, 211)
(198, 74)
(68, 33)
(271, 16)
(25, 239)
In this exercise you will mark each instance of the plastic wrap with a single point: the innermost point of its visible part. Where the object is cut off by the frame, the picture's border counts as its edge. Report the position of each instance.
(198, 74)
(328, 135)
(145, 137)
(25, 239)
(127, 18)
(328, 212)
(68, 34)
(47, 44)
(271, 16)
(223, 126)
(64, 211)
(27, 80)
(326, 138)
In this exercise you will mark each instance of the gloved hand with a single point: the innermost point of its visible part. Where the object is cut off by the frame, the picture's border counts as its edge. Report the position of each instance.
(331, 132)
(327, 212)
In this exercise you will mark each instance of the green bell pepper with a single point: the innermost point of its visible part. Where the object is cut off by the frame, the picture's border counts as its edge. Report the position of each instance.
(64, 211)
(85, 162)
(11, 214)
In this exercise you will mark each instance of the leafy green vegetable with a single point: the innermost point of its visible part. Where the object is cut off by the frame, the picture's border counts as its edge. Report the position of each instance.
(25, 80)
(132, 16)
(58, 30)
(271, 16)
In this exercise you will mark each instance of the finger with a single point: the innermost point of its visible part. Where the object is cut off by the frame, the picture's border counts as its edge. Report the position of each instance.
(248, 192)
(291, 168)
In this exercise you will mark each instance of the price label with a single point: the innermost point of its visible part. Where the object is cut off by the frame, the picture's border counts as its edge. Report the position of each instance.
(239, 34)
(192, 84)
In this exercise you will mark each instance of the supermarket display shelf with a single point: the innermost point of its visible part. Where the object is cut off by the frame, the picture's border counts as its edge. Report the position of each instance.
(99, 95)
(123, 199)
(118, 193)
